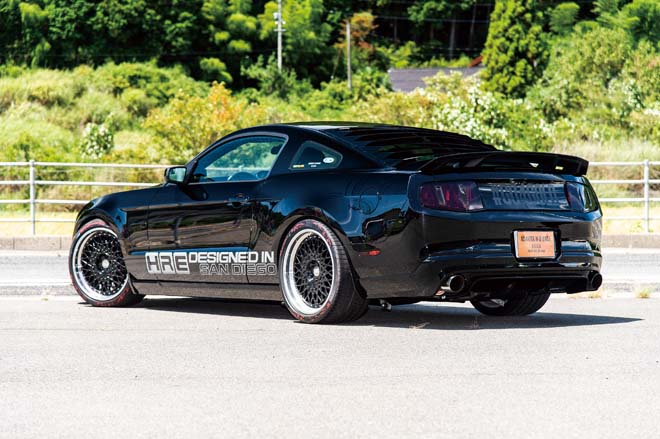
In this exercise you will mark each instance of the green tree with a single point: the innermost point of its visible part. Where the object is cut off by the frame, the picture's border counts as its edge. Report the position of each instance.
(34, 27)
(434, 11)
(363, 53)
(232, 31)
(89, 31)
(563, 17)
(645, 23)
(583, 72)
(516, 48)
(10, 29)
(306, 39)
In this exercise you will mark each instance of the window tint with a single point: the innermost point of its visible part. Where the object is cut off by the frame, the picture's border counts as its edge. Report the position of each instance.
(312, 155)
(248, 158)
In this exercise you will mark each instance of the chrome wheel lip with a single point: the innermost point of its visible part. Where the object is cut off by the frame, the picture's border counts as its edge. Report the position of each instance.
(76, 267)
(290, 290)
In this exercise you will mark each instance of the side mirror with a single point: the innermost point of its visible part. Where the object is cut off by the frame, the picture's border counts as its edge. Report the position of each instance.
(176, 174)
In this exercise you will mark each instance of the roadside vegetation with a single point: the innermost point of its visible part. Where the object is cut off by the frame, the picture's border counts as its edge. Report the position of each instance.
(643, 293)
(579, 78)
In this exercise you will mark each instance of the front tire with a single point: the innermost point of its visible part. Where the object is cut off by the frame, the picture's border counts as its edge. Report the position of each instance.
(316, 277)
(515, 306)
(97, 267)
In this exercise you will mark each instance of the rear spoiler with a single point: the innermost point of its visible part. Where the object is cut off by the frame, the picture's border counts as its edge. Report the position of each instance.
(507, 161)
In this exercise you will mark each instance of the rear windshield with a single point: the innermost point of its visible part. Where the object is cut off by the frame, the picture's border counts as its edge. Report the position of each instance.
(408, 148)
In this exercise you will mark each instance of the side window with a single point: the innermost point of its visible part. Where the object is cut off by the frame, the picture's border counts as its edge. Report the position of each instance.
(313, 155)
(244, 159)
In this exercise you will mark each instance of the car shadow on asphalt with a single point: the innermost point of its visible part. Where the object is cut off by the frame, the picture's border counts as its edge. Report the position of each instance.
(418, 316)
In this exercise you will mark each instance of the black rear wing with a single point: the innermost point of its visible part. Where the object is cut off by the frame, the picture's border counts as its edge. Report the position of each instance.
(507, 161)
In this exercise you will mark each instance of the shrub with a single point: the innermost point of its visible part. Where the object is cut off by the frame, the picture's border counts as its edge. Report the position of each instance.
(137, 102)
(462, 106)
(46, 87)
(214, 70)
(272, 81)
(158, 83)
(97, 141)
(99, 107)
(580, 70)
(26, 134)
(189, 123)
(394, 108)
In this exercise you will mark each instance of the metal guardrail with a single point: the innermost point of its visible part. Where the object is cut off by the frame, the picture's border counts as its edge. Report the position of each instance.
(33, 182)
(646, 198)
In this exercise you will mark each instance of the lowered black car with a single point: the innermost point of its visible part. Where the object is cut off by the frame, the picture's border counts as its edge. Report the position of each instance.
(328, 216)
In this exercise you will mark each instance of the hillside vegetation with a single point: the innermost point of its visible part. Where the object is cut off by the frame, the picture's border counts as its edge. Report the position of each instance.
(575, 78)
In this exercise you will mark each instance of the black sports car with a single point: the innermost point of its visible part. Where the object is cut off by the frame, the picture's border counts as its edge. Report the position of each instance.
(330, 216)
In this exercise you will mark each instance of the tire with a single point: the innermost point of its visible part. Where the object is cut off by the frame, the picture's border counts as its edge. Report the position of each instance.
(97, 268)
(517, 306)
(316, 278)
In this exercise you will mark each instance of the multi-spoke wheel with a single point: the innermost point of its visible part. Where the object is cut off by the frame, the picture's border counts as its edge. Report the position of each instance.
(97, 267)
(515, 306)
(315, 276)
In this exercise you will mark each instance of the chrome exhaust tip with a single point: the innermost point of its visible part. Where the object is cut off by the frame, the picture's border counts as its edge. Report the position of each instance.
(455, 284)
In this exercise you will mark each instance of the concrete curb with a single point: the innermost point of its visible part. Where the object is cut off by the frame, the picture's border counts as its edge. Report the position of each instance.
(42, 243)
(637, 240)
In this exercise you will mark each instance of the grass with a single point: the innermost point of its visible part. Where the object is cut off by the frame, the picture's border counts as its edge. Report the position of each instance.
(598, 294)
(643, 293)
(629, 226)
(25, 229)
(628, 150)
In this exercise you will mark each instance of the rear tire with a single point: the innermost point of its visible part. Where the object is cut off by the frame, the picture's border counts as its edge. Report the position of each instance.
(316, 277)
(97, 268)
(516, 306)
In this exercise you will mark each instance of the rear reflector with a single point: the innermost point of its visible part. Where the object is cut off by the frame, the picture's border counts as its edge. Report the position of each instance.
(370, 253)
(460, 196)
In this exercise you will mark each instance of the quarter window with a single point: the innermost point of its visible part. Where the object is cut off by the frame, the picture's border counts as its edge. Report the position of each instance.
(313, 155)
(244, 159)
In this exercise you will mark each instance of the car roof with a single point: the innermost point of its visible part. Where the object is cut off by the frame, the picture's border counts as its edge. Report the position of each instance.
(394, 145)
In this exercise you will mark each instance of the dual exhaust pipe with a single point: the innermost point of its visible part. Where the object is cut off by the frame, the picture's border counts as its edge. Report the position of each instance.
(595, 280)
(457, 283)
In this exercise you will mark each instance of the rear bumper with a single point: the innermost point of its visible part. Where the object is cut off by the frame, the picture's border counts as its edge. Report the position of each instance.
(491, 270)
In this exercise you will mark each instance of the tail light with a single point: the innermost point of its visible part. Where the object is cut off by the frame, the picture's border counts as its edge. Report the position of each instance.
(580, 197)
(460, 196)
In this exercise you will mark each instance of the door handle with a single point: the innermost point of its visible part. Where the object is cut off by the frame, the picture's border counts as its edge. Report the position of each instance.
(238, 200)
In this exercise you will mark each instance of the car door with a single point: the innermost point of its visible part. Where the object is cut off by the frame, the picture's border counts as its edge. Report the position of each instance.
(201, 230)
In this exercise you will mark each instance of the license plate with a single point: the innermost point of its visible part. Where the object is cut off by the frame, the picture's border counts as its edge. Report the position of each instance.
(535, 244)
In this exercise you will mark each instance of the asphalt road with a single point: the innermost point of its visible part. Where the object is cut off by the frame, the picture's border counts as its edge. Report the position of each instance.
(29, 273)
(194, 368)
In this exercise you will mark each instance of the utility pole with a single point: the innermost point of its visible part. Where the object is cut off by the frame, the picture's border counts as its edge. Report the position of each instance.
(349, 80)
(279, 30)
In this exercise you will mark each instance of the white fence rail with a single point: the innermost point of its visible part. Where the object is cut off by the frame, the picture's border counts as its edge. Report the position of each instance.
(646, 198)
(33, 182)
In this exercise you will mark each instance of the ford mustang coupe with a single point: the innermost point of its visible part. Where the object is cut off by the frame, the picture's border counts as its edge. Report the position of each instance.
(328, 217)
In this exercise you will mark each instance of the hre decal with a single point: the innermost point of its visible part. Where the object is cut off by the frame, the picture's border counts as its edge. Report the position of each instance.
(214, 263)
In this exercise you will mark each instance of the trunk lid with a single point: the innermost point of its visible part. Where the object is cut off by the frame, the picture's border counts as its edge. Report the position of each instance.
(497, 180)
(546, 163)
